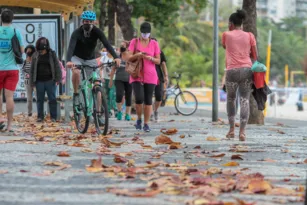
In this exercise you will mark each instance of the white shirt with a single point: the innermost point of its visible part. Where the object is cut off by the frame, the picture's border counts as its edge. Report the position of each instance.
(106, 69)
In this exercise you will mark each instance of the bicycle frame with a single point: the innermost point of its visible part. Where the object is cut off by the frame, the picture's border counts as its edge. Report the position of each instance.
(86, 85)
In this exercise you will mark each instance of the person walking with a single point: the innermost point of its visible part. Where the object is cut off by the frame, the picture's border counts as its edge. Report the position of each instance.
(160, 87)
(149, 51)
(241, 50)
(45, 75)
(9, 71)
(106, 75)
(122, 85)
(26, 68)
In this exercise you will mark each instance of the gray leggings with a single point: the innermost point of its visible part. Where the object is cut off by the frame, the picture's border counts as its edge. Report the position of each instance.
(241, 78)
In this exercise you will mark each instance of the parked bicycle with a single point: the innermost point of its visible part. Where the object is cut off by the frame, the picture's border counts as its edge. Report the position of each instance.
(92, 102)
(185, 102)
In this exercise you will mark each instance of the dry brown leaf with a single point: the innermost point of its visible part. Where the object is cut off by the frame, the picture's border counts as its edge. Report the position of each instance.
(174, 146)
(305, 161)
(119, 159)
(96, 166)
(236, 157)
(182, 136)
(63, 154)
(131, 163)
(210, 138)
(268, 160)
(241, 202)
(281, 132)
(134, 192)
(77, 144)
(259, 186)
(109, 143)
(281, 191)
(3, 172)
(146, 146)
(284, 150)
(217, 155)
(152, 164)
(87, 150)
(163, 139)
(170, 131)
(231, 164)
(55, 163)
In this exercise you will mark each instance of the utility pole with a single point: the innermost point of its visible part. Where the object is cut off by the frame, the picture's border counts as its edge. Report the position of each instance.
(215, 69)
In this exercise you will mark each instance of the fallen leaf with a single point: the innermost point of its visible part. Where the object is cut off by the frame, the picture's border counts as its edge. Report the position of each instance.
(134, 192)
(268, 160)
(170, 131)
(163, 139)
(55, 163)
(3, 172)
(284, 150)
(182, 136)
(197, 147)
(87, 150)
(217, 155)
(109, 143)
(281, 191)
(146, 146)
(259, 186)
(236, 156)
(119, 159)
(305, 161)
(231, 164)
(77, 144)
(63, 154)
(152, 164)
(96, 166)
(281, 132)
(23, 171)
(241, 202)
(174, 146)
(131, 163)
(210, 138)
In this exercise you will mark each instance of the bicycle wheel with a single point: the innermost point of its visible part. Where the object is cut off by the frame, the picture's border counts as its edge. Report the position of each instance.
(186, 103)
(80, 113)
(100, 111)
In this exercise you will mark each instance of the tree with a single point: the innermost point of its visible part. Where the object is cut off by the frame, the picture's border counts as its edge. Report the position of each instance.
(124, 14)
(18, 10)
(250, 25)
(111, 21)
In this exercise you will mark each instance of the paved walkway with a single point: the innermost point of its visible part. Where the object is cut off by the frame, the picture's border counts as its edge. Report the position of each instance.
(195, 172)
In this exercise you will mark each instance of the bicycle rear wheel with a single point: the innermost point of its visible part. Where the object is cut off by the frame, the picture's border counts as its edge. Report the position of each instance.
(186, 103)
(100, 111)
(80, 113)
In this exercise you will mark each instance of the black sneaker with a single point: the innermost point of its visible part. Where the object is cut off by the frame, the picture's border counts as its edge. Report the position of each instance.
(39, 120)
(146, 128)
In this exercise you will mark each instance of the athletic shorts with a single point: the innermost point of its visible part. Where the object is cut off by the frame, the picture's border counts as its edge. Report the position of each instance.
(78, 61)
(9, 79)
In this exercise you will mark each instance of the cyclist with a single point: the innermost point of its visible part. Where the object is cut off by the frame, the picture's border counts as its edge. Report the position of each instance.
(81, 50)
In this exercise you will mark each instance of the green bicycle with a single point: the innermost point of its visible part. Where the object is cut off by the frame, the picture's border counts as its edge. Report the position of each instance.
(92, 102)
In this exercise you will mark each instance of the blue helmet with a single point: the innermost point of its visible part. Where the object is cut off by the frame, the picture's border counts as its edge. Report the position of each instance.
(88, 15)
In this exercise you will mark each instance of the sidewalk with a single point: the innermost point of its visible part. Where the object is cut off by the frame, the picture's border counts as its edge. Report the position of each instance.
(195, 172)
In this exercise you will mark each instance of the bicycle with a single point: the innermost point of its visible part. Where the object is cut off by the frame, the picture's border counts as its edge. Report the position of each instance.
(92, 103)
(185, 102)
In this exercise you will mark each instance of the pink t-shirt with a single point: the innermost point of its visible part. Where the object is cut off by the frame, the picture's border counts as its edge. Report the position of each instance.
(149, 68)
(238, 45)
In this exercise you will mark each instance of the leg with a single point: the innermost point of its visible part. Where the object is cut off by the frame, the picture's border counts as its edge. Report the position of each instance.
(158, 96)
(29, 90)
(120, 88)
(128, 97)
(138, 90)
(244, 92)
(148, 92)
(51, 93)
(40, 98)
(113, 98)
(231, 87)
(107, 90)
(76, 79)
(10, 83)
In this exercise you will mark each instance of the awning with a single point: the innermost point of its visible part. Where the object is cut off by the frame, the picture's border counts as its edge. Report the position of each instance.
(61, 6)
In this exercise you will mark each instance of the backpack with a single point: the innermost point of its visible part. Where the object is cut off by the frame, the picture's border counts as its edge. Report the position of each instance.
(16, 49)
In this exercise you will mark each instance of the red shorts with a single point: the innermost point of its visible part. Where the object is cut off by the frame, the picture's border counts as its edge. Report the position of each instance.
(9, 79)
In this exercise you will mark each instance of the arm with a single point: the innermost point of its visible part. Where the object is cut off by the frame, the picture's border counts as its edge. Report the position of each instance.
(32, 70)
(57, 71)
(156, 59)
(20, 39)
(224, 40)
(72, 46)
(112, 76)
(254, 52)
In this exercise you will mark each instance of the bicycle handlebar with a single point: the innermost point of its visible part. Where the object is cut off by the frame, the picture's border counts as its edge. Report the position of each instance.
(80, 67)
(176, 76)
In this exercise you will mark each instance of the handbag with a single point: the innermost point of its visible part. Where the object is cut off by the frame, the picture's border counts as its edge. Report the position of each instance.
(135, 68)
(16, 49)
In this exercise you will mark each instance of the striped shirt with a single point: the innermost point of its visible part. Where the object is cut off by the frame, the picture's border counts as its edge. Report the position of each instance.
(26, 70)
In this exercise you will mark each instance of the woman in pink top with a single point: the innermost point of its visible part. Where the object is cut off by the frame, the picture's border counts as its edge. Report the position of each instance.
(241, 50)
(143, 88)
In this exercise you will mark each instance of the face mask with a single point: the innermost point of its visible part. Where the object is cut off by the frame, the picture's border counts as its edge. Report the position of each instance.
(42, 46)
(122, 49)
(104, 53)
(87, 27)
(145, 35)
(29, 54)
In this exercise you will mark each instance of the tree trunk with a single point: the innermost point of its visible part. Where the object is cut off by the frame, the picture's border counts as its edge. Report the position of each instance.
(250, 25)
(111, 21)
(124, 14)
(103, 14)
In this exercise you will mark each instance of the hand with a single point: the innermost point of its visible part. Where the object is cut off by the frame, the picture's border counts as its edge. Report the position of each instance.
(111, 84)
(70, 64)
(117, 61)
(166, 80)
(147, 57)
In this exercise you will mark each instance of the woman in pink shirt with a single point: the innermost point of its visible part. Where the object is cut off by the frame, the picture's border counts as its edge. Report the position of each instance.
(241, 50)
(143, 88)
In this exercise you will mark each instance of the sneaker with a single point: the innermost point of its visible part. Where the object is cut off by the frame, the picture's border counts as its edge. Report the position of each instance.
(156, 116)
(146, 128)
(138, 125)
(151, 117)
(127, 117)
(119, 116)
(39, 120)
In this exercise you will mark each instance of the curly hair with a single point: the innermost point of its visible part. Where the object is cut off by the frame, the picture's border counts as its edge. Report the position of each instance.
(41, 40)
